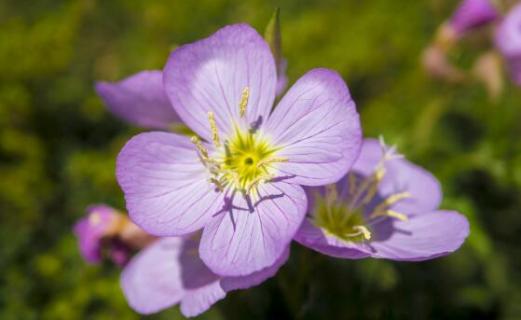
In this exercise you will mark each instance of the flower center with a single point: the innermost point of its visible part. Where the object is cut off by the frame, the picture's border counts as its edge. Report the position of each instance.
(351, 218)
(242, 161)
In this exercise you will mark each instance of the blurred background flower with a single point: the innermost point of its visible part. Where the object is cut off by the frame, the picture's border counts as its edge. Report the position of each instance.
(58, 145)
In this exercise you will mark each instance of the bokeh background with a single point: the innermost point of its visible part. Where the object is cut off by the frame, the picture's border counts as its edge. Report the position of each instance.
(58, 145)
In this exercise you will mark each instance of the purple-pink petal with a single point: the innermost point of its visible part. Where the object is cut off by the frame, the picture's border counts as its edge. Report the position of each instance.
(170, 271)
(423, 236)
(471, 14)
(317, 127)
(400, 176)
(251, 235)
(211, 74)
(165, 184)
(91, 229)
(139, 99)
(153, 280)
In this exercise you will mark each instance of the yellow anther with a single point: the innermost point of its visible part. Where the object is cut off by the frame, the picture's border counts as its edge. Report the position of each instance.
(199, 145)
(244, 101)
(379, 174)
(397, 215)
(379, 210)
(364, 231)
(213, 127)
(217, 183)
(397, 197)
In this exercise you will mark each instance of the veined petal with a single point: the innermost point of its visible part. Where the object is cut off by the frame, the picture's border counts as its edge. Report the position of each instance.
(422, 237)
(139, 99)
(400, 176)
(211, 74)
(201, 299)
(165, 184)
(256, 278)
(317, 128)
(240, 240)
(152, 280)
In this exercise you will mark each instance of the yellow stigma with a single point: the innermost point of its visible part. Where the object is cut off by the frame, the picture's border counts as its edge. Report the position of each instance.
(243, 159)
(364, 231)
(247, 160)
(244, 101)
(213, 127)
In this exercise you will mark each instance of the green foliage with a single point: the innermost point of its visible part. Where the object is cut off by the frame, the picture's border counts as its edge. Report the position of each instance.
(58, 146)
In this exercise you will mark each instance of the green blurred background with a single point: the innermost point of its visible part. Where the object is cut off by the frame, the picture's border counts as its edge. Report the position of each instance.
(58, 145)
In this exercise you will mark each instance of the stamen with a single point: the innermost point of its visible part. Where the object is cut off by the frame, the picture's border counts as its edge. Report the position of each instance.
(397, 215)
(213, 127)
(352, 182)
(331, 194)
(380, 209)
(244, 101)
(218, 183)
(364, 231)
(203, 153)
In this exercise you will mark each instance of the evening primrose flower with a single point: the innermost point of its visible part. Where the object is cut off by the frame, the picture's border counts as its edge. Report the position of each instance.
(107, 232)
(240, 177)
(386, 207)
(508, 41)
(170, 272)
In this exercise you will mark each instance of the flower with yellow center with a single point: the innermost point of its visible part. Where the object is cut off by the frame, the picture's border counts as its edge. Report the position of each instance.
(240, 177)
(384, 208)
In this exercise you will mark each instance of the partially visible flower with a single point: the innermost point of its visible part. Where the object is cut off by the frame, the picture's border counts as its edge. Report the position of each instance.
(107, 232)
(472, 14)
(170, 272)
(139, 99)
(242, 181)
(508, 41)
(437, 65)
(386, 207)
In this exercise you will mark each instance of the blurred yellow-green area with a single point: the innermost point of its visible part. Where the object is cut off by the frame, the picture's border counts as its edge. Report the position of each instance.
(58, 145)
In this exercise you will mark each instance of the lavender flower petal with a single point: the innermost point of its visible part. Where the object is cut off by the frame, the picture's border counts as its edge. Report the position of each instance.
(211, 75)
(471, 14)
(318, 129)
(401, 176)
(165, 184)
(250, 237)
(153, 280)
(170, 272)
(91, 229)
(422, 237)
(139, 99)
